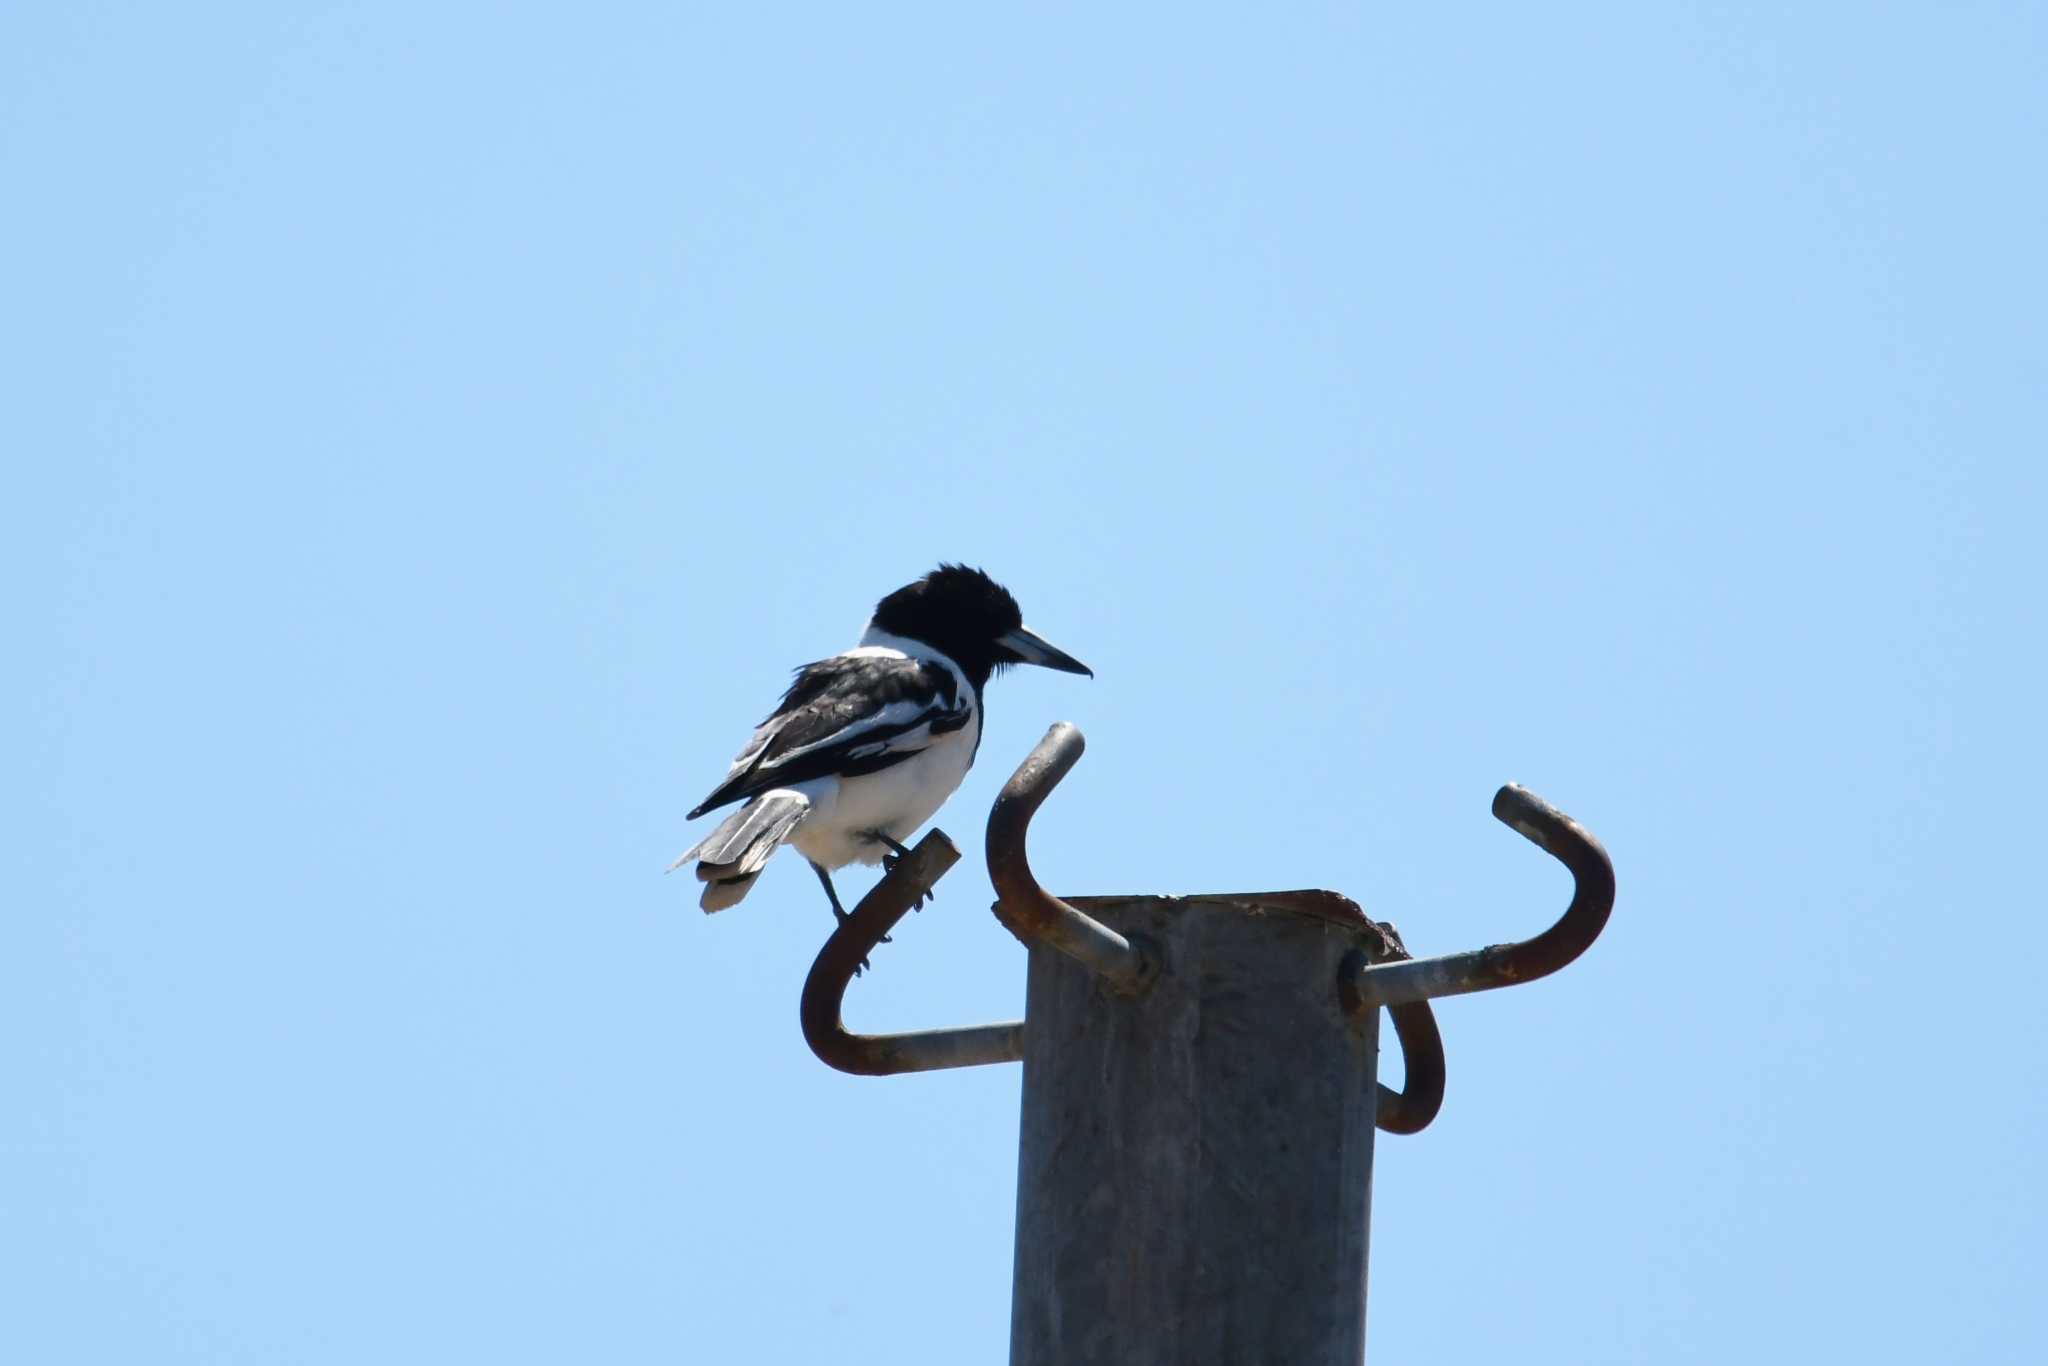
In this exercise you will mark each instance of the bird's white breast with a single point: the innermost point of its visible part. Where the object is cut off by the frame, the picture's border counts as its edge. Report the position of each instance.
(896, 801)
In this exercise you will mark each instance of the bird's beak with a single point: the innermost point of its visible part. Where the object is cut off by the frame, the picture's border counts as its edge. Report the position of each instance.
(1028, 647)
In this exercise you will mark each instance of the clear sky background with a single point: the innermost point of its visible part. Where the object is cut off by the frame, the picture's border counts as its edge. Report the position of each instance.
(432, 434)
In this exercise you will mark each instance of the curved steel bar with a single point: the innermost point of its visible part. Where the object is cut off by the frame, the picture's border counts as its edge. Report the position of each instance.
(880, 1055)
(1027, 910)
(1500, 965)
(1410, 1109)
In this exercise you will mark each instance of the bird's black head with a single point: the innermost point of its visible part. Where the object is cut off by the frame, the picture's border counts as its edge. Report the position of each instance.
(973, 619)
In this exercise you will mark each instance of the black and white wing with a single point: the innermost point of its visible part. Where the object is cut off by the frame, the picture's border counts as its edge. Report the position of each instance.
(845, 716)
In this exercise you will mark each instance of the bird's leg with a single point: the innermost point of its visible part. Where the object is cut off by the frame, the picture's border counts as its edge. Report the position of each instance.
(831, 892)
(889, 862)
(838, 911)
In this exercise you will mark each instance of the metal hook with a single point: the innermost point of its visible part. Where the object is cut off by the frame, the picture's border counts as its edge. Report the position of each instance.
(1410, 1109)
(1027, 910)
(1500, 965)
(1403, 985)
(881, 1055)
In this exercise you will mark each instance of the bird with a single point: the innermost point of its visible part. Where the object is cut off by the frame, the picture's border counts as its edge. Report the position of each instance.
(866, 745)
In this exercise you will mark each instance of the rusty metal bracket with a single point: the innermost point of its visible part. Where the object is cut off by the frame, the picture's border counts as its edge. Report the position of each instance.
(1405, 985)
(1027, 910)
(1410, 1109)
(1499, 965)
(881, 1055)
(1366, 981)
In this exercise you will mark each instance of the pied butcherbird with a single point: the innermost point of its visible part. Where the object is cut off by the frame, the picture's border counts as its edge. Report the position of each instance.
(868, 744)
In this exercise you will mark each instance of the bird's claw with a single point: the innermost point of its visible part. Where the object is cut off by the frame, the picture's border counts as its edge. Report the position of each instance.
(844, 919)
(889, 862)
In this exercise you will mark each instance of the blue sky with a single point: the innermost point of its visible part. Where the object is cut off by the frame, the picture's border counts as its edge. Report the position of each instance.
(432, 436)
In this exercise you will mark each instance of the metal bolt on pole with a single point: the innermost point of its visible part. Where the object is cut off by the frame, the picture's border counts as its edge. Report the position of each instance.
(1200, 1089)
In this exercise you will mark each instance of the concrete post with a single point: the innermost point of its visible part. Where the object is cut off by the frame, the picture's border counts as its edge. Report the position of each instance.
(1195, 1167)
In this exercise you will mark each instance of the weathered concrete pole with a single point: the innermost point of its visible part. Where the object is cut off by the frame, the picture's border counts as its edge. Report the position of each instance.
(1195, 1168)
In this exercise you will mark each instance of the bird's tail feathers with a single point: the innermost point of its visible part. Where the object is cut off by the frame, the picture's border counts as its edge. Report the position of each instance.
(732, 856)
(724, 892)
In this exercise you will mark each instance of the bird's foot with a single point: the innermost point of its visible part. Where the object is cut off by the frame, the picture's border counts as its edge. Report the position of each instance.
(864, 964)
(843, 919)
(889, 862)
